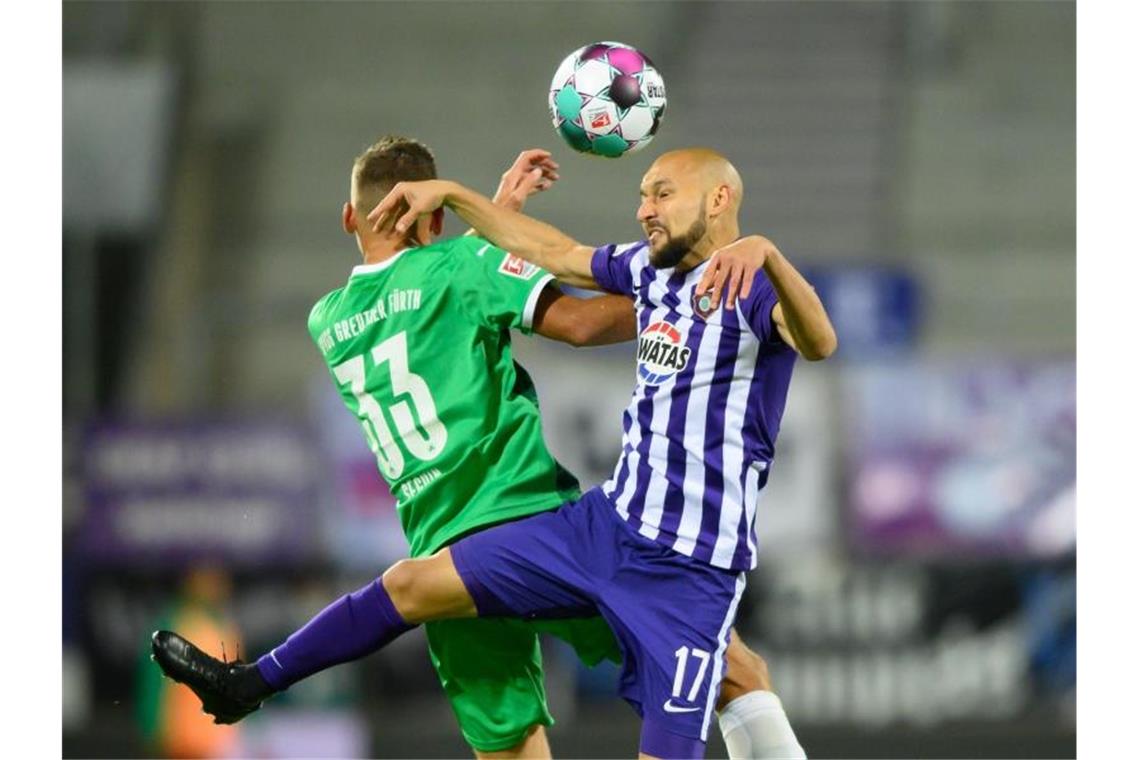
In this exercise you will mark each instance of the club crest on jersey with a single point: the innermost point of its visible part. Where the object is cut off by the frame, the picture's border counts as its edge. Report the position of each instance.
(661, 353)
(703, 306)
(515, 267)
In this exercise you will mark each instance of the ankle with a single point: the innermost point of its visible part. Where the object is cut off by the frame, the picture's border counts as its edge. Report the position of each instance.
(249, 685)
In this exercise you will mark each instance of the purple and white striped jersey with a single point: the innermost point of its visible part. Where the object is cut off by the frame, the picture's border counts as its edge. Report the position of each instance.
(699, 434)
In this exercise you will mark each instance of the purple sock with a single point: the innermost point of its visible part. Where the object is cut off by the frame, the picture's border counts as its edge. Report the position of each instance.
(351, 627)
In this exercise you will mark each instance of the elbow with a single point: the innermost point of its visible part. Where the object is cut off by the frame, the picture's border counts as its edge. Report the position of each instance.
(576, 333)
(581, 335)
(821, 349)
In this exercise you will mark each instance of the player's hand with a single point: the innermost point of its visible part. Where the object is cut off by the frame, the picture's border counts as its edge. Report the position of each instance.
(532, 172)
(732, 269)
(406, 202)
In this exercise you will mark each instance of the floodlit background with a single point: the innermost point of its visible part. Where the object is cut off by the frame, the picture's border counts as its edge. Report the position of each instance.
(916, 592)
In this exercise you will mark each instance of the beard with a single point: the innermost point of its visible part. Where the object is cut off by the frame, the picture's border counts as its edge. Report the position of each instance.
(675, 248)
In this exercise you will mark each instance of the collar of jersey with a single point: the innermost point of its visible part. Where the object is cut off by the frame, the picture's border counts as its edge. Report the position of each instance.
(683, 276)
(379, 266)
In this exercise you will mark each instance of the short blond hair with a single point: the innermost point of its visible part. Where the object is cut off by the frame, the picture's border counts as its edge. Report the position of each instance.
(389, 160)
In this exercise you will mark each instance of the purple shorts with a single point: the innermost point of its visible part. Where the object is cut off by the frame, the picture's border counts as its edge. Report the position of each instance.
(671, 614)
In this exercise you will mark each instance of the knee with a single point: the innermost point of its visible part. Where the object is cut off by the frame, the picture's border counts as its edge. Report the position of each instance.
(402, 583)
(427, 588)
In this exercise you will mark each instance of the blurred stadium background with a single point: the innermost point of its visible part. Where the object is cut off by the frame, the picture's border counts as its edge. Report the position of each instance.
(916, 595)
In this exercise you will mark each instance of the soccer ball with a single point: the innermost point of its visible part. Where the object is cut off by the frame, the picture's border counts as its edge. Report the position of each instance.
(607, 99)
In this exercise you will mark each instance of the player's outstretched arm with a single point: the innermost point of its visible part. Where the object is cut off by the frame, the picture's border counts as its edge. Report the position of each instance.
(799, 315)
(524, 236)
(580, 322)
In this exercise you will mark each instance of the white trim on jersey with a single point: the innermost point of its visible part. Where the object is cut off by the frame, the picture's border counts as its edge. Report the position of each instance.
(379, 266)
(718, 658)
(532, 300)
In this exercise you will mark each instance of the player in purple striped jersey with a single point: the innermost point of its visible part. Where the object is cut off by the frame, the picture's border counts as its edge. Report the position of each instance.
(699, 433)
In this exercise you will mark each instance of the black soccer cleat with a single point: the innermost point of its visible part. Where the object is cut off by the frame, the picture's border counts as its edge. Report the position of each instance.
(217, 684)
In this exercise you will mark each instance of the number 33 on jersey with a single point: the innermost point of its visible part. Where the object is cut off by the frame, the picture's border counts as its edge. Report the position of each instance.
(417, 344)
(422, 434)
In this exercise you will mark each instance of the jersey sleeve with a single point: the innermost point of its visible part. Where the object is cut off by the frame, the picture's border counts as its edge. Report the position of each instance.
(612, 267)
(318, 324)
(498, 289)
(757, 309)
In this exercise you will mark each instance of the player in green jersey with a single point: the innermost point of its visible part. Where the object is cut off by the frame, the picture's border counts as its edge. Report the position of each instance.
(460, 442)
(418, 343)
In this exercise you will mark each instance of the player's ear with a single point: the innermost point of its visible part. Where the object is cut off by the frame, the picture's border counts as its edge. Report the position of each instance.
(723, 196)
(348, 218)
(721, 200)
(437, 222)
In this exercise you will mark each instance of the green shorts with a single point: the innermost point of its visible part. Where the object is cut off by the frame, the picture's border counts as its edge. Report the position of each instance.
(491, 671)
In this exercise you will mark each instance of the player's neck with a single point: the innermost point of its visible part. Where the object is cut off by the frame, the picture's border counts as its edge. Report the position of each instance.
(377, 248)
(707, 246)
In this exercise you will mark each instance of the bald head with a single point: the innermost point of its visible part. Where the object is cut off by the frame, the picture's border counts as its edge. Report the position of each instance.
(704, 167)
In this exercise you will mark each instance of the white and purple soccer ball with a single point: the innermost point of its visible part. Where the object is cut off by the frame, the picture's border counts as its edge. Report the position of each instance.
(607, 99)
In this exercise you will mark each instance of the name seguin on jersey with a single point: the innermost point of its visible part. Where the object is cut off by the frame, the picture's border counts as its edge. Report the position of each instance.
(661, 352)
(410, 488)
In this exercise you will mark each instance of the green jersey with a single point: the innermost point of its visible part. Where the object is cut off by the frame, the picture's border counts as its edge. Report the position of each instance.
(419, 347)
